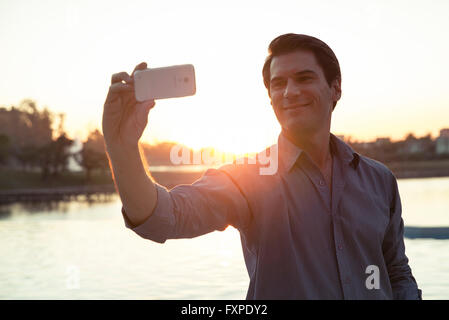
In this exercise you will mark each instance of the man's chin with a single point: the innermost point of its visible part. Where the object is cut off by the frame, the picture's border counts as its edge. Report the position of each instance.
(299, 123)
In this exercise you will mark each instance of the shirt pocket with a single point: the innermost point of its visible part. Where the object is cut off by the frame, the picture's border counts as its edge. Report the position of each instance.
(365, 216)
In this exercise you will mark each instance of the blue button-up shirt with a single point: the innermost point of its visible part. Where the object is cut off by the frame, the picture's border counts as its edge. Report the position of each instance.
(300, 239)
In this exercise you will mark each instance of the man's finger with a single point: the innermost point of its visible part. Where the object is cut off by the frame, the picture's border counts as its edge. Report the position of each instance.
(140, 66)
(120, 87)
(119, 77)
(116, 90)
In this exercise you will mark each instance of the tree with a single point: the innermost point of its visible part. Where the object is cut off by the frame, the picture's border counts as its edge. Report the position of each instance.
(31, 137)
(53, 157)
(28, 129)
(61, 154)
(93, 155)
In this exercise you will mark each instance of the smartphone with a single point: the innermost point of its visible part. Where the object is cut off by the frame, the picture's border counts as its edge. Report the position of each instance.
(163, 83)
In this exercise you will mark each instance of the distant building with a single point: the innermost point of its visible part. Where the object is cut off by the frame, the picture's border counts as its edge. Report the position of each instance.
(412, 145)
(444, 133)
(442, 142)
(382, 141)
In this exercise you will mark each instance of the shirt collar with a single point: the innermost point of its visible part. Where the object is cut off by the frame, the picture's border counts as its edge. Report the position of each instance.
(289, 152)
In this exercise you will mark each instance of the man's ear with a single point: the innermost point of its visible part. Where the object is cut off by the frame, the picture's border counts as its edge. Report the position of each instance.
(336, 89)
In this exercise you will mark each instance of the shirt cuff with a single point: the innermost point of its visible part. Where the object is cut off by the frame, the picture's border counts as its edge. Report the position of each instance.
(158, 227)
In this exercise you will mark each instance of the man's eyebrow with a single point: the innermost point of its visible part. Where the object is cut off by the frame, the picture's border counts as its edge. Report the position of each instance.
(297, 74)
(300, 73)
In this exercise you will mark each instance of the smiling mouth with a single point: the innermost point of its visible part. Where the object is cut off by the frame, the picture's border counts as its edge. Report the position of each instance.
(297, 106)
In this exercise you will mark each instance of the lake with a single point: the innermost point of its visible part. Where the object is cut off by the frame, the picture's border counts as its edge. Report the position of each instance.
(82, 250)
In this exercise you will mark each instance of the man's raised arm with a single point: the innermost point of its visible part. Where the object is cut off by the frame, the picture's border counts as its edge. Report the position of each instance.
(124, 120)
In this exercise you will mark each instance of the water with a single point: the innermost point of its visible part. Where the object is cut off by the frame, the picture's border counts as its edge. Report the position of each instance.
(81, 250)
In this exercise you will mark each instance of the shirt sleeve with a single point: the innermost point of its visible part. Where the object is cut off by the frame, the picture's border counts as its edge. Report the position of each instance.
(210, 203)
(403, 283)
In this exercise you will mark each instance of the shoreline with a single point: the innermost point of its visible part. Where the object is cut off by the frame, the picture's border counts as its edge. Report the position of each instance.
(56, 194)
(419, 169)
(166, 179)
(91, 192)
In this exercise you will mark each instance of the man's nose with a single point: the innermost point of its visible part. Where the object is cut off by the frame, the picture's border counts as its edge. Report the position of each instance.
(292, 90)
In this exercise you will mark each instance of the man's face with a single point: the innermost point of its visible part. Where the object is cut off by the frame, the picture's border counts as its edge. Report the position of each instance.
(300, 95)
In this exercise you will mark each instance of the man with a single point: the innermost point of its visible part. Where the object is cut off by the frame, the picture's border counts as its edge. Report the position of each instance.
(326, 225)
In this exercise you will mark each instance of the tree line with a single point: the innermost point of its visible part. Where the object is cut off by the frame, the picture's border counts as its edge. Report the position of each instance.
(411, 148)
(34, 139)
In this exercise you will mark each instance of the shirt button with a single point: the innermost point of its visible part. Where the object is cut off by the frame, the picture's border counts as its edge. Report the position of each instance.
(321, 183)
(340, 247)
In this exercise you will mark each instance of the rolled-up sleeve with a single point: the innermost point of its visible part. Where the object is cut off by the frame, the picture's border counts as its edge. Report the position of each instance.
(210, 203)
(403, 283)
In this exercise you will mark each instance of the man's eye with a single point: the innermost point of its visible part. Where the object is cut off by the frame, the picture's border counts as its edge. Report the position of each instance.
(303, 79)
(277, 84)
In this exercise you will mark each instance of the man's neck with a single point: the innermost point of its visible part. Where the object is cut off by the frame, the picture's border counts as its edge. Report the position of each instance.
(316, 146)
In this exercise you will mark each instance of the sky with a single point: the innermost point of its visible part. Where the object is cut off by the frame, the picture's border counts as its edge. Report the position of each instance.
(393, 57)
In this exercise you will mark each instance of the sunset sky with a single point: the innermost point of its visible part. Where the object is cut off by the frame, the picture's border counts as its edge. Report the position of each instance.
(393, 56)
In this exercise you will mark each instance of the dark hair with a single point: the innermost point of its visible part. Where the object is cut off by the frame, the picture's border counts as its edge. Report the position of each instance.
(291, 42)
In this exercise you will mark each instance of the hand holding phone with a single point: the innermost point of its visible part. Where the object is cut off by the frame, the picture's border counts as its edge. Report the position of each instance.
(163, 83)
(124, 118)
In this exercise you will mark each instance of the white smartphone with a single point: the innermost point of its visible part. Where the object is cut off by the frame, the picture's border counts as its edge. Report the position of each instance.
(163, 83)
